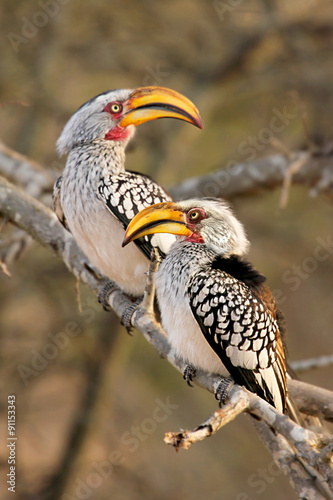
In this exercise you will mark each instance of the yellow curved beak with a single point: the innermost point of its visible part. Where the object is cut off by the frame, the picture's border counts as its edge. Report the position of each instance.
(150, 103)
(159, 218)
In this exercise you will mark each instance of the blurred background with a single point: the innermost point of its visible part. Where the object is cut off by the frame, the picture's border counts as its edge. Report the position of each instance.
(99, 397)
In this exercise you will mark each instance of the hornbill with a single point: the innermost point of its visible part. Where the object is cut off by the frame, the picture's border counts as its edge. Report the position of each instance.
(216, 309)
(95, 198)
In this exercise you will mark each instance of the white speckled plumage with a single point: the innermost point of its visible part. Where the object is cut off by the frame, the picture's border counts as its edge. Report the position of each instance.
(214, 320)
(96, 198)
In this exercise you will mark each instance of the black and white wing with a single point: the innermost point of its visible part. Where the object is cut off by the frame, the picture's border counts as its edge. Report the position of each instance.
(125, 194)
(57, 205)
(242, 331)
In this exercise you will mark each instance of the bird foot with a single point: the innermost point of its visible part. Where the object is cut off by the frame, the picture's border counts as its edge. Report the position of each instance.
(189, 374)
(222, 390)
(104, 294)
(126, 318)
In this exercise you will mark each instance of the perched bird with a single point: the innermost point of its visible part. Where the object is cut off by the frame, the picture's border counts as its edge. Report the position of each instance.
(95, 198)
(215, 307)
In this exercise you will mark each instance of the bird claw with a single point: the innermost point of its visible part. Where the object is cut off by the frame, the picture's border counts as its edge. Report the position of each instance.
(222, 390)
(189, 374)
(104, 294)
(126, 318)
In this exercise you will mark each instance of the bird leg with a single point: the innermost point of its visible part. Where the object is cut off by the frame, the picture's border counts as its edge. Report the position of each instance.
(104, 294)
(189, 374)
(222, 390)
(147, 301)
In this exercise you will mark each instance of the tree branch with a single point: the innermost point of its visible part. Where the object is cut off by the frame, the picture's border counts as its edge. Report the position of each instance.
(302, 480)
(41, 223)
(239, 401)
(241, 179)
(244, 179)
(24, 172)
(312, 400)
(36, 181)
(302, 446)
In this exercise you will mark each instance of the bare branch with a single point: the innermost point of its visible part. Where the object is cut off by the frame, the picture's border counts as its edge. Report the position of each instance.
(24, 172)
(37, 182)
(291, 171)
(245, 179)
(291, 441)
(312, 400)
(303, 481)
(239, 401)
(41, 223)
(239, 180)
(13, 245)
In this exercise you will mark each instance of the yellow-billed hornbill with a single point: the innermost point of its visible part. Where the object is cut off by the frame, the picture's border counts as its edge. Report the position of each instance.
(215, 307)
(96, 197)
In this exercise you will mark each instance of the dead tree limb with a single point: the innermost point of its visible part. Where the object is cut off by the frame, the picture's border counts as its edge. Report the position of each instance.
(26, 173)
(36, 181)
(318, 401)
(245, 179)
(42, 224)
(291, 443)
(241, 179)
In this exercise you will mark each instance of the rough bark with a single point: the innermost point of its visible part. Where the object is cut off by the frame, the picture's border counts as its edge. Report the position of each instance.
(245, 179)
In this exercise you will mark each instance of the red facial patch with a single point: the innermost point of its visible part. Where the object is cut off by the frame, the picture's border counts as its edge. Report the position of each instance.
(195, 238)
(117, 133)
(193, 217)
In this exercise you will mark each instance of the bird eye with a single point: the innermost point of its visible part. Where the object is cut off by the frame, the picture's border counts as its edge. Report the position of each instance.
(194, 215)
(114, 108)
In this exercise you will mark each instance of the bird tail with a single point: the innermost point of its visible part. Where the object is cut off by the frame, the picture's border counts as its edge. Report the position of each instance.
(306, 421)
(293, 412)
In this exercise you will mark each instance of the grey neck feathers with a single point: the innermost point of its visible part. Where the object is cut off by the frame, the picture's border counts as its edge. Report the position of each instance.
(185, 258)
(100, 155)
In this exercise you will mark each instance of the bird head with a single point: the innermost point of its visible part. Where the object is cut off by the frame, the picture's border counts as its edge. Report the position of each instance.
(114, 114)
(208, 221)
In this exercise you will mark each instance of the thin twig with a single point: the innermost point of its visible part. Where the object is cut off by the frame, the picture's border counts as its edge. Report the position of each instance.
(4, 269)
(293, 168)
(78, 295)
